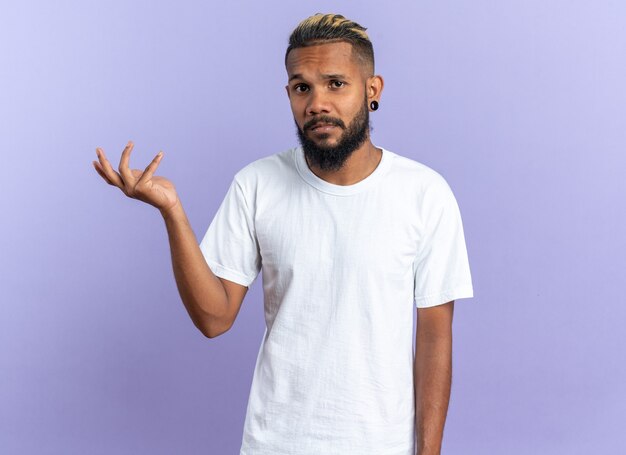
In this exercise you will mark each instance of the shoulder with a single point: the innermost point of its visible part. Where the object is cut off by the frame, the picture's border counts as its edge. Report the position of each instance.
(267, 168)
(419, 177)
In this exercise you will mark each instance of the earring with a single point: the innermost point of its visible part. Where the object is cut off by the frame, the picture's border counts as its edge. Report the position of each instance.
(374, 105)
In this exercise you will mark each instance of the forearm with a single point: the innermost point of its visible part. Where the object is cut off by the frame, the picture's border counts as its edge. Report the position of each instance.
(201, 291)
(433, 377)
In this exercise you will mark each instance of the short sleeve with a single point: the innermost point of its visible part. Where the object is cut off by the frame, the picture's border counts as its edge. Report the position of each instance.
(441, 267)
(230, 246)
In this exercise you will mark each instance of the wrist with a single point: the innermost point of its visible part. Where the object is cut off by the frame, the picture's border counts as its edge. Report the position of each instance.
(173, 212)
(428, 452)
(425, 449)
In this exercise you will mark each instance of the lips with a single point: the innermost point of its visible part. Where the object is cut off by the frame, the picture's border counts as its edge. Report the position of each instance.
(323, 126)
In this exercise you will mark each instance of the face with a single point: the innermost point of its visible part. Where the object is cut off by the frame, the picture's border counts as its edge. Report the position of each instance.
(328, 92)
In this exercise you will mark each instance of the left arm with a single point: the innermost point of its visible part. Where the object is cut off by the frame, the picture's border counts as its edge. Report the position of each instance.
(432, 369)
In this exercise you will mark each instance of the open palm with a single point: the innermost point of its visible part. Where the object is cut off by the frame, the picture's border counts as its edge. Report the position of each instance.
(137, 184)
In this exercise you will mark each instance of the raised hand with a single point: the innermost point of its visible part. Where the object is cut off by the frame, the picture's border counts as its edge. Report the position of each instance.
(137, 184)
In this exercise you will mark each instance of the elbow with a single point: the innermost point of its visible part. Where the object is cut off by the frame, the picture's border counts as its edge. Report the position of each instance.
(214, 322)
(209, 334)
(213, 330)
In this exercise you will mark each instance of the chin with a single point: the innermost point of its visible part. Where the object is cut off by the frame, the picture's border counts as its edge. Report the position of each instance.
(325, 139)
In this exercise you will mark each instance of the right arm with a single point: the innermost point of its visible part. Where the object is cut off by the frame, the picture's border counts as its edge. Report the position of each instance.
(212, 302)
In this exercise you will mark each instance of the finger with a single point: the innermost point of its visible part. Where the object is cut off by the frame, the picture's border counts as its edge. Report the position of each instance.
(99, 171)
(150, 170)
(108, 170)
(127, 176)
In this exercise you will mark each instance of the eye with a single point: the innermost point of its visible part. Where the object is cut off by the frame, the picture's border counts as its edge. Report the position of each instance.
(300, 87)
(337, 84)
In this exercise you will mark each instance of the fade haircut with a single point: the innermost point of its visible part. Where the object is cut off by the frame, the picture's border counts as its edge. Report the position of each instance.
(329, 28)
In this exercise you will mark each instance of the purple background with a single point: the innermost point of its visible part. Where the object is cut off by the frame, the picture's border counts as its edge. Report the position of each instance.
(521, 105)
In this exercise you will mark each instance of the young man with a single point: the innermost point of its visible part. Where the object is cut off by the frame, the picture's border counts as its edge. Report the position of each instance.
(349, 236)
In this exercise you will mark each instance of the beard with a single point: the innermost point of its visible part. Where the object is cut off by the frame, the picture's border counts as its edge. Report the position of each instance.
(332, 158)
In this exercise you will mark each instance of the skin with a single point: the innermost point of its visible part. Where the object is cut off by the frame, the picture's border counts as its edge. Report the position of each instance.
(211, 301)
(311, 92)
(433, 375)
(326, 79)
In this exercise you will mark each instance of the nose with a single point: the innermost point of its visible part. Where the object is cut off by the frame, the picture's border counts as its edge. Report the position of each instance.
(317, 103)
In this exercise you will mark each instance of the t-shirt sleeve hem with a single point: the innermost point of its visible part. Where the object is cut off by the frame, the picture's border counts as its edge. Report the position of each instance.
(460, 292)
(229, 274)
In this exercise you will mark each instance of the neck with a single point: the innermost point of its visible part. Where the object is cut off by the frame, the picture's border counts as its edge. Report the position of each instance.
(357, 167)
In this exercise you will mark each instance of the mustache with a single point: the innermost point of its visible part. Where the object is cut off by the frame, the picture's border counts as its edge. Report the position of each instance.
(324, 119)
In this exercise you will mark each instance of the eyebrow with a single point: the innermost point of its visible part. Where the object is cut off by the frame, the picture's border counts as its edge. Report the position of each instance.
(324, 76)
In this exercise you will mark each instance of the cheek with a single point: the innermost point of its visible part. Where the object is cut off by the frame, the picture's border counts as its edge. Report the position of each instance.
(352, 106)
(297, 106)
(297, 112)
(350, 115)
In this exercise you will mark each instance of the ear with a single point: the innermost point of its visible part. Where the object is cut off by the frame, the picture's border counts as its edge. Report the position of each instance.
(287, 90)
(374, 87)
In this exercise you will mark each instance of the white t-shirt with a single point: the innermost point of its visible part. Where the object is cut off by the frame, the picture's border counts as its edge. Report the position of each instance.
(343, 267)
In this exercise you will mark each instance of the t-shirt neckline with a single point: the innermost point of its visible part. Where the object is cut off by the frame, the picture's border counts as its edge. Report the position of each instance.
(340, 190)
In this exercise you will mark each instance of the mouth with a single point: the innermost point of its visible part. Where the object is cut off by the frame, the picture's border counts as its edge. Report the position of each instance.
(322, 127)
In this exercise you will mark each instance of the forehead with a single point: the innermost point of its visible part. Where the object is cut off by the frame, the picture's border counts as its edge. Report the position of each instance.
(327, 58)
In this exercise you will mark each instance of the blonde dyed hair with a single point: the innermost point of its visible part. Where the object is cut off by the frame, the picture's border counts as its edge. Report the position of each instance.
(328, 28)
